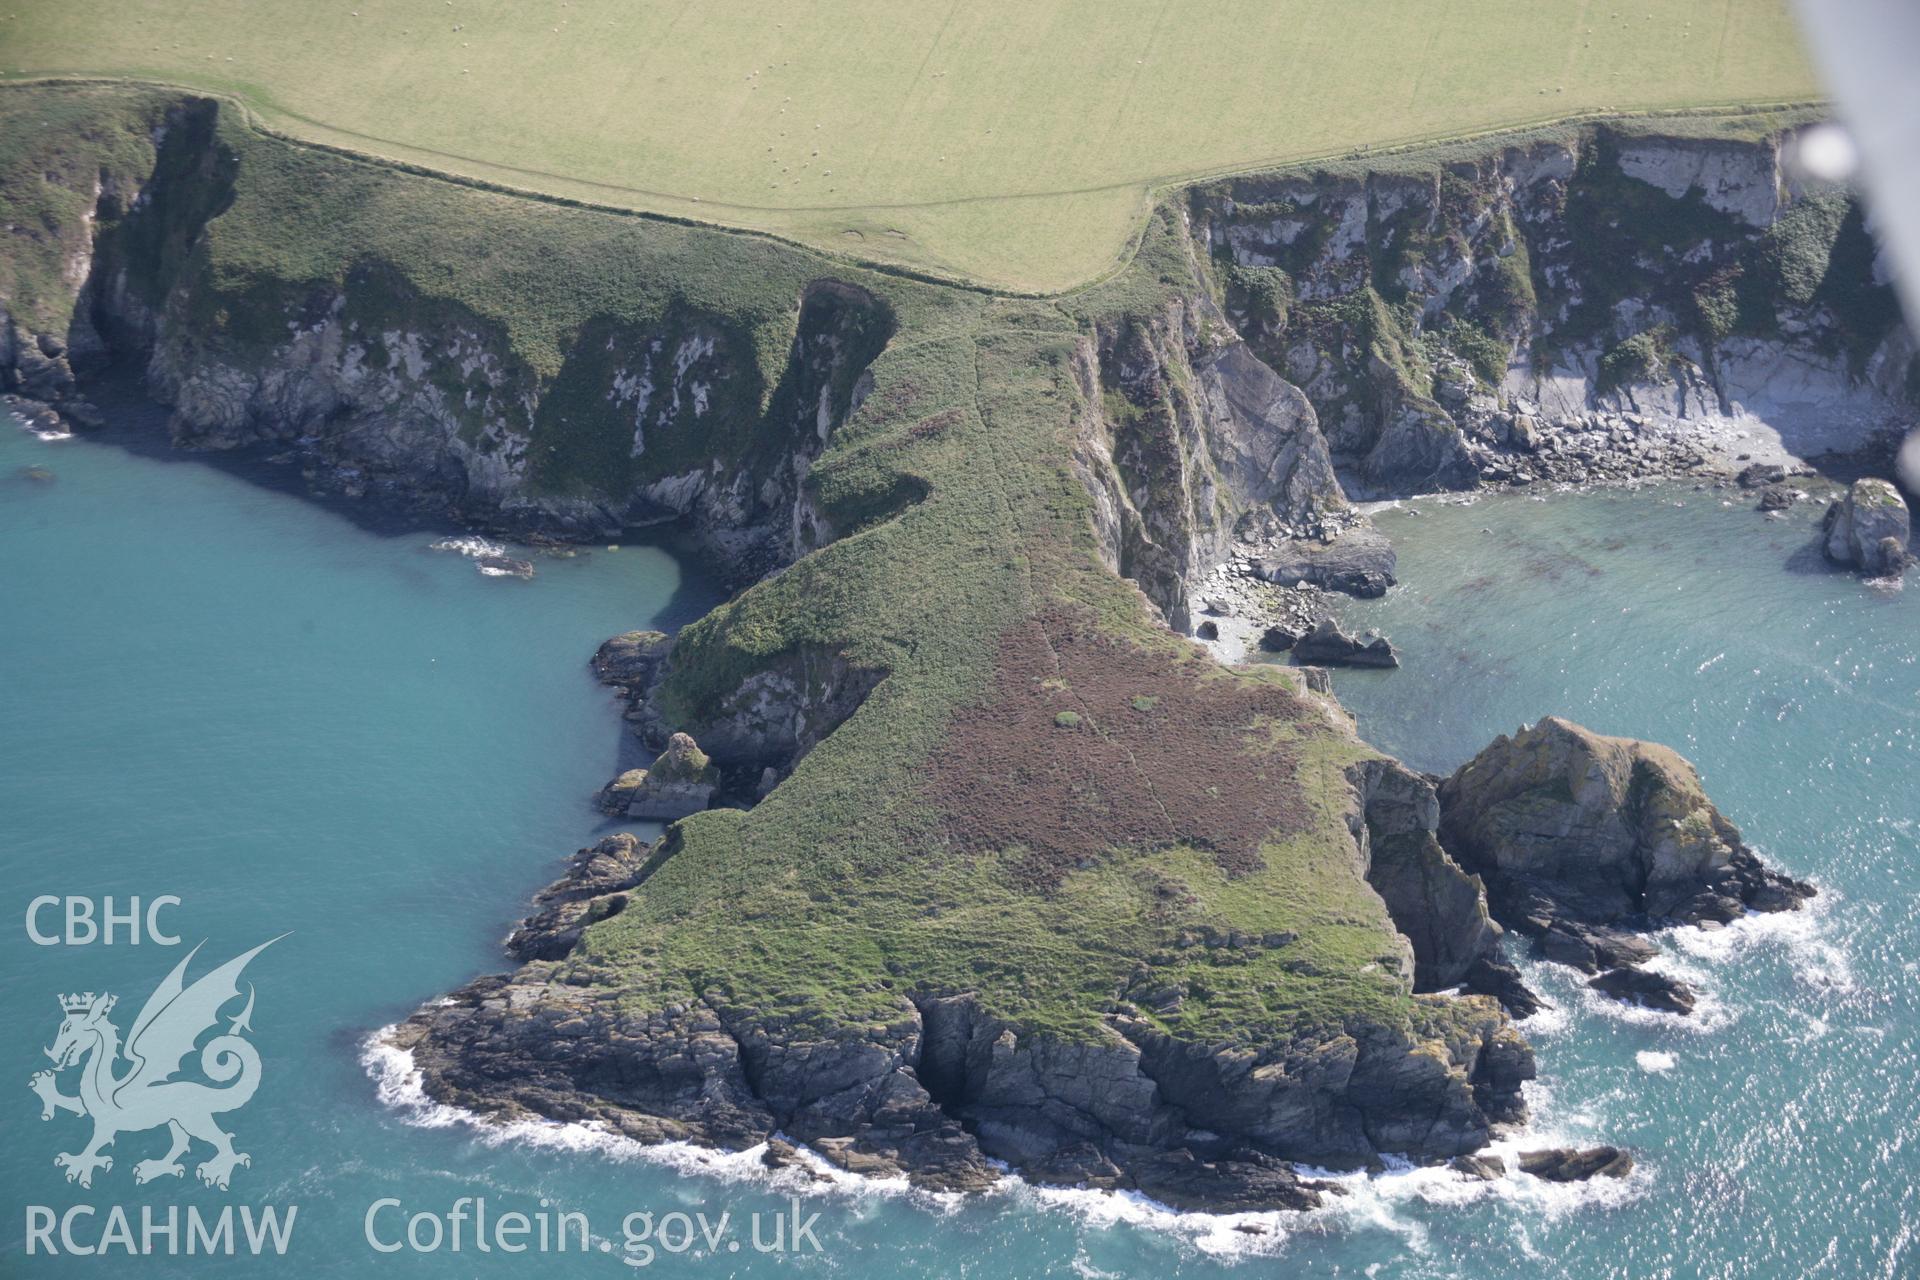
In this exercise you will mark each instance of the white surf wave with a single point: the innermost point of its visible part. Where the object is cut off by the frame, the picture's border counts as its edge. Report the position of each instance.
(1392, 1201)
(471, 545)
(1804, 936)
(399, 1086)
(1365, 1201)
(41, 427)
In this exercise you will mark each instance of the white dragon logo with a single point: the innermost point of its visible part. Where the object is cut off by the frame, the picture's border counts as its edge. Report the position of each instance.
(145, 1096)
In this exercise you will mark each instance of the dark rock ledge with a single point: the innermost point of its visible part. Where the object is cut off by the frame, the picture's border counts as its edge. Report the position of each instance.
(947, 1090)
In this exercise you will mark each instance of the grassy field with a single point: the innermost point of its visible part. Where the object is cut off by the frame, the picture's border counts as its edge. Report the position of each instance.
(1014, 144)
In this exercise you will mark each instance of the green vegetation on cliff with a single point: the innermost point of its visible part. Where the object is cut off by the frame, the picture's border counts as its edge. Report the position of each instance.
(53, 149)
(855, 882)
(1015, 144)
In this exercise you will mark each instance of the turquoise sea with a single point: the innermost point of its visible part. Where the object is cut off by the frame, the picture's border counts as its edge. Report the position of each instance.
(300, 723)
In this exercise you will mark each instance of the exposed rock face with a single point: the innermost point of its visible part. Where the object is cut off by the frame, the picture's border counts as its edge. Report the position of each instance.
(1869, 529)
(1581, 838)
(1591, 948)
(1197, 1128)
(1479, 1168)
(1252, 1184)
(1357, 560)
(1564, 1164)
(757, 730)
(381, 386)
(1438, 907)
(592, 889)
(1761, 474)
(164, 204)
(681, 781)
(1200, 450)
(1593, 306)
(771, 719)
(943, 1087)
(1328, 644)
(631, 660)
(1280, 638)
(1646, 988)
(361, 389)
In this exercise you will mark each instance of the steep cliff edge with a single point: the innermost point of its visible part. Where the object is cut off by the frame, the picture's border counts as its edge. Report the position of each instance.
(1196, 451)
(1582, 304)
(424, 345)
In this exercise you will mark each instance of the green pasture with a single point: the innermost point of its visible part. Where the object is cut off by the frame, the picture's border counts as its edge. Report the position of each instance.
(1013, 144)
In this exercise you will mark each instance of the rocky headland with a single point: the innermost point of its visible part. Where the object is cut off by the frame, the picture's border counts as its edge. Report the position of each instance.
(978, 859)
(1577, 841)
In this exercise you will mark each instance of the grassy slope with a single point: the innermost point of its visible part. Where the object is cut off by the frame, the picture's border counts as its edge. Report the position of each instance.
(1011, 143)
(826, 904)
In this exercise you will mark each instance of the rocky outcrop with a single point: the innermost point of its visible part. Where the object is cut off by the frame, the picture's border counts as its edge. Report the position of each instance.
(1868, 529)
(1438, 907)
(681, 781)
(1648, 989)
(942, 1088)
(593, 889)
(1564, 1164)
(1479, 1168)
(1583, 839)
(1356, 560)
(1252, 1184)
(632, 660)
(1328, 645)
(756, 725)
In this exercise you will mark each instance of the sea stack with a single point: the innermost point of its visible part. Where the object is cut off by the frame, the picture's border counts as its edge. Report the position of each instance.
(681, 781)
(1584, 841)
(1869, 529)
